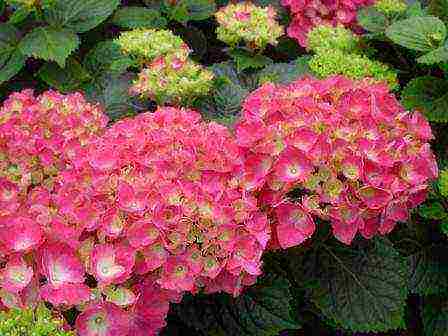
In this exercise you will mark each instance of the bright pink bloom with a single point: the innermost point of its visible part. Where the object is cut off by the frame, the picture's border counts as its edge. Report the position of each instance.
(21, 234)
(69, 294)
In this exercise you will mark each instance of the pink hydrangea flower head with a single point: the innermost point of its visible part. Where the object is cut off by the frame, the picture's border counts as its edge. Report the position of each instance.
(103, 319)
(348, 148)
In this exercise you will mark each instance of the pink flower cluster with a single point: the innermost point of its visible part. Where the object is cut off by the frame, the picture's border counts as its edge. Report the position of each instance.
(307, 14)
(39, 136)
(350, 151)
(123, 221)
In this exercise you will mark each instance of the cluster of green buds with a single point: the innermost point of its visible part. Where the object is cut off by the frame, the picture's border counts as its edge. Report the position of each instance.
(390, 7)
(443, 182)
(22, 3)
(168, 75)
(337, 53)
(169, 79)
(248, 23)
(148, 44)
(32, 322)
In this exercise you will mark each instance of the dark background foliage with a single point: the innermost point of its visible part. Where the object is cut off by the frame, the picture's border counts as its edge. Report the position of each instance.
(320, 288)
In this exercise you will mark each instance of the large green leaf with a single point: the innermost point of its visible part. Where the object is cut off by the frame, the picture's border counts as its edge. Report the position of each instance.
(111, 91)
(104, 58)
(50, 44)
(361, 288)
(263, 310)
(428, 94)
(284, 73)
(138, 17)
(190, 10)
(435, 56)
(418, 33)
(429, 270)
(78, 15)
(11, 59)
(70, 78)
(435, 316)
(245, 60)
(372, 20)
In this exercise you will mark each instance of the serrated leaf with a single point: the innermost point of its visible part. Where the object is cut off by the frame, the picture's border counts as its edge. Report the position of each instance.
(138, 17)
(190, 10)
(435, 316)
(20, 14)
(435, 56)
(429, 270)
(112, 93)
(428, 94)
(245, 60)
(263, 310)
(372, 20)
(418, 33)
(105, 58)
(50, 44)
(78, 15)
(284, 73)
(70, 78)
(363, 289)
(11, 59)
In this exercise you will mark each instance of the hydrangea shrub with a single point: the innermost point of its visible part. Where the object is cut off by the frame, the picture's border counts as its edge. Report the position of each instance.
(357, 157)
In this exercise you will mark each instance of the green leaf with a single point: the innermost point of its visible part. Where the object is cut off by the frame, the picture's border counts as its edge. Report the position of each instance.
(138, 17)
(245, 60)
(106, 57)
(439, 8)
(284, 73)
(435, 56)
(190, 10)
(418, 33)
(372, 20)
(20, 14)
(11, 59)
(428, 94)
(50, 44)
(434, 210)
(70, 78)
(361, 288)
(263, 310)
(429, 270)
(435, 316)
(112, 93)
(78, 15)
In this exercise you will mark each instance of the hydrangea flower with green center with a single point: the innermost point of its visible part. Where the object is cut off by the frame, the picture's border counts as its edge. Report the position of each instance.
(173, 80)
(148, 44)
(390, 6)
(39, 322)
(245, 22)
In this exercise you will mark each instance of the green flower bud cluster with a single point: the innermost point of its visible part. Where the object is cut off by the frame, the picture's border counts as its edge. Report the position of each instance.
(147, 44)
(172, 80)
(337, 53)
(389, 7)
(325, 37)
(248, 23)
(169, 76)
(22, 3)
(29, 322)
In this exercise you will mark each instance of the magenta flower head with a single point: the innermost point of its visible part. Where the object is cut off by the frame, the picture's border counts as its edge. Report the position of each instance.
(307, 14)
(357, 157)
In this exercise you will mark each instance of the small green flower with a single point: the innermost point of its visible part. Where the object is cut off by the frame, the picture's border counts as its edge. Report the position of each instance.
(245, 22)
(173, 80)
(148, 44)
(389, 7)
(32, 322)
(335, 62)
(325, 37)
